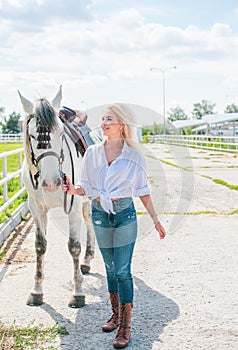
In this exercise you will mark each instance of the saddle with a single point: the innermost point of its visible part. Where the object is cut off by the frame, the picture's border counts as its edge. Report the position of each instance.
(67, 116)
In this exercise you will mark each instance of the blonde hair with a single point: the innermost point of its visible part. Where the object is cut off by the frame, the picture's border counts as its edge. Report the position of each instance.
(126, 118)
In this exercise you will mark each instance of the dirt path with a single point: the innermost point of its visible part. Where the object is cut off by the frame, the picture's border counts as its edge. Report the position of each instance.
(186, 287)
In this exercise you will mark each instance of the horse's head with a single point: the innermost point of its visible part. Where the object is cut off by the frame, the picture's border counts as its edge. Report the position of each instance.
(43, 138)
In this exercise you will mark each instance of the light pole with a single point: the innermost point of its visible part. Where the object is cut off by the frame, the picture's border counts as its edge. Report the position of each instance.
(163, 70)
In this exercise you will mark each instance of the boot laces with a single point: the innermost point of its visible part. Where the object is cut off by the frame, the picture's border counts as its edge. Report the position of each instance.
(123, 324)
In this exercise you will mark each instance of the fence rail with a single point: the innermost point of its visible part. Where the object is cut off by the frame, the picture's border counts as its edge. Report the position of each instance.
(224, 144)
(6, 138)
(8, 176)
(208, 142)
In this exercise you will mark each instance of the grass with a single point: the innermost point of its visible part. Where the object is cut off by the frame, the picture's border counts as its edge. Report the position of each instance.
(168, 163)
(217, 181)
(202, 212)
(13, 185)
(233, 212)
(29, 337)
(224, 183)
(12, 161)
(2, 255)
(5, 147)
(206, 177)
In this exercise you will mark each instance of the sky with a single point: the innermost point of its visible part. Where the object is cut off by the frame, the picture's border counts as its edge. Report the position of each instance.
(101, 51)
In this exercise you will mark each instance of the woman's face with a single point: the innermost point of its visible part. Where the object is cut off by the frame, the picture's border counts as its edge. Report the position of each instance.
(111, 127)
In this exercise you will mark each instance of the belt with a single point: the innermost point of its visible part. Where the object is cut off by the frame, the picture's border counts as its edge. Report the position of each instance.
(112, 199)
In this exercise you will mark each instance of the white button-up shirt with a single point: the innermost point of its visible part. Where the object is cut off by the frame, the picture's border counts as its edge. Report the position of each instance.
(125, 177)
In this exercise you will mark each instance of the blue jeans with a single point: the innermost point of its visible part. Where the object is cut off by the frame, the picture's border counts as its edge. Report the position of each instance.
(116, 235)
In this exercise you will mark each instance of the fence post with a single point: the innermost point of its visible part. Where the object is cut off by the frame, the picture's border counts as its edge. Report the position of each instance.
(20, 176)
(4, 171)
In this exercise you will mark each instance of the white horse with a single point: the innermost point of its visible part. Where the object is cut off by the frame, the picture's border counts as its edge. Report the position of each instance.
(50, 152)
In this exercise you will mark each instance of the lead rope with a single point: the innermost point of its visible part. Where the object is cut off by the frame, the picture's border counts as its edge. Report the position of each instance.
(65, 182)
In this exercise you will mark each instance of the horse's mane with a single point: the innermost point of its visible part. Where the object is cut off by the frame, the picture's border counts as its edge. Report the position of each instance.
(45, 113)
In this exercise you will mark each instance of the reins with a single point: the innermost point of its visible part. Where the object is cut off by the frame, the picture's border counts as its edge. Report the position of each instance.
(63, 175)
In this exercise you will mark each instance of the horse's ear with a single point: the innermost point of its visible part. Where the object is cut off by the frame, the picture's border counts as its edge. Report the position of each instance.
(26, 104)
(56, 102)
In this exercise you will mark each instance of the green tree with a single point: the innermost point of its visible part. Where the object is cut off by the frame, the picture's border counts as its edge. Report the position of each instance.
(202, 108)
(155, 129)
(2, 110)
(231, 108)
(10, 125)
(177, 113)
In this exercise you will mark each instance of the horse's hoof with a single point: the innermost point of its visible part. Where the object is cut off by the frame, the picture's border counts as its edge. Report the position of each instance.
(85, 269)
(77, 301)
(35, 299)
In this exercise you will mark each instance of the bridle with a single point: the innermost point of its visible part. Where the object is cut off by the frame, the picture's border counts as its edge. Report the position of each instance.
(35, 162)
(60, 157)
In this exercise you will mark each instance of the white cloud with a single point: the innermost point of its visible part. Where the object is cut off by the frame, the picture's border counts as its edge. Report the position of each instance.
(41, 2)
(17, 3)
(31, 14)
(126, 74)
(125, 32)
(86, 52)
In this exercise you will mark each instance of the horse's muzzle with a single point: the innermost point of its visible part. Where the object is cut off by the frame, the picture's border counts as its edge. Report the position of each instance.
(51, 186)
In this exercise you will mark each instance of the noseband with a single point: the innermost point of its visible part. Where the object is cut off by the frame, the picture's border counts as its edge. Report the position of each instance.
(35, 162)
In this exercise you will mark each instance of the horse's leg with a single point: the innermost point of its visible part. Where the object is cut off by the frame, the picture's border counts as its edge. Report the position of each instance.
(89, 252)
(40, 218)
(74, 246)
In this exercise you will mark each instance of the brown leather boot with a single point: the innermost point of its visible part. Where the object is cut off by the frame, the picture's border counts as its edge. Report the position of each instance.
(123, 334)
(112, 323)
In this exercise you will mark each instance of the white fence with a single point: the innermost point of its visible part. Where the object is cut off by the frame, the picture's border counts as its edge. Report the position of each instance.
(214, 143)
(224, 144)
(6, 138)
(8, 176)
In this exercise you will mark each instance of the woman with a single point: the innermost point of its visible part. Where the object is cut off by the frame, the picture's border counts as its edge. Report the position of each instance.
(112, 172)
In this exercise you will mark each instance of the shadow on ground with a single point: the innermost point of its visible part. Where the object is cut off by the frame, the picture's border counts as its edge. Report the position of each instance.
(152, 312)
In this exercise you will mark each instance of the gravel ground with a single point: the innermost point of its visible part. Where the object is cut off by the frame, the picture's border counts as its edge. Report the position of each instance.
(186, 286)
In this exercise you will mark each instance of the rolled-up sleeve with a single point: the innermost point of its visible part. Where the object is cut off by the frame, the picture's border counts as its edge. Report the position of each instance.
(141, 187)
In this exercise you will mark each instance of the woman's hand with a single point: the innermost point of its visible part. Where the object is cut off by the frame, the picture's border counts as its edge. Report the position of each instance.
(68, 187)
(160, 229)
(148, 204)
